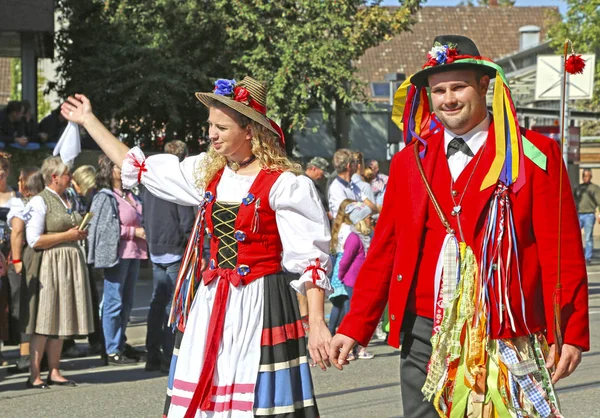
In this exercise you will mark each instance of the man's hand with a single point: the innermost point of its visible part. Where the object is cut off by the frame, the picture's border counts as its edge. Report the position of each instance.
(140, 233)
(569, 360)
(18, 267)
(339, 349)
(319, 340)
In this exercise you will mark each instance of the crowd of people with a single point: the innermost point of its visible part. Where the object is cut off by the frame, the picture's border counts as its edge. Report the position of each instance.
(50, 296)
(20, 130)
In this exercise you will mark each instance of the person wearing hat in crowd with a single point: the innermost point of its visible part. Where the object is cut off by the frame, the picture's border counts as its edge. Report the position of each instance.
(315, 170)
(240, 319)
(466, 252)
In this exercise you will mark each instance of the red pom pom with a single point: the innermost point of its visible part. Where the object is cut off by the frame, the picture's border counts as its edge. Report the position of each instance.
(575, 64)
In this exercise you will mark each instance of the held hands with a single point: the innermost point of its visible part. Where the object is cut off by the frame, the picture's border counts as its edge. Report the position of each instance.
(77, 109)
(339, 349)
(75, 234)
(140, 233)
(319, 339)
(569, 360)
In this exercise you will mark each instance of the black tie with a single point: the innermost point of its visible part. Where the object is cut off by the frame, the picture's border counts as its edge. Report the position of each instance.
(458, 144)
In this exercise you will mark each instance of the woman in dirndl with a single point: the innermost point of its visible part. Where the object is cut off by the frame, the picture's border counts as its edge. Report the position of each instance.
(243, 349)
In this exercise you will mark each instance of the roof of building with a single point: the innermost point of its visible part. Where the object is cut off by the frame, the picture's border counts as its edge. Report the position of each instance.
(495, 31)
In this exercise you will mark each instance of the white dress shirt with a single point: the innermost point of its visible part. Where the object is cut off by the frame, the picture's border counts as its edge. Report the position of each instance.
(475, 139)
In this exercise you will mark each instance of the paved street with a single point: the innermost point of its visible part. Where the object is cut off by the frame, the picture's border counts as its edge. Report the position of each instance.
(368, 388)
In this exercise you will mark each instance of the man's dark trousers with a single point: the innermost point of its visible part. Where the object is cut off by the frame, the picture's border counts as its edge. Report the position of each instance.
(159, 335)
(416, 350)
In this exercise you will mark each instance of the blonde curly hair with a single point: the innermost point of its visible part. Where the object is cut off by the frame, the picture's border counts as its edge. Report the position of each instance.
(265, 146)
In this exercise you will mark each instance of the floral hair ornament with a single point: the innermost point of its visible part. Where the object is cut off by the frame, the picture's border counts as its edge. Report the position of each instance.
(248, 97)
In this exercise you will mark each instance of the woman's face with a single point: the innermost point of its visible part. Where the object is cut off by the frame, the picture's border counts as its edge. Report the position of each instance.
(21, 183)
(76, 186)
(4, 175)
(116, 177)
(62, 182)
(227, 137)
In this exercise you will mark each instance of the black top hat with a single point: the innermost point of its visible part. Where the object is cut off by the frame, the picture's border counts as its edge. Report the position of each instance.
(447, 49)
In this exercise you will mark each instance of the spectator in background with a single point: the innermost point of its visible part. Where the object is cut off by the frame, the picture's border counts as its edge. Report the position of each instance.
(28, 130)
(52, 127)
(6, 195)
(22, 272)
(378, 182)
(357, 178)
(341, 188)
(315, 170)
(587, 198)
(116, 244)
(64, 307)
(80, 194)
(168, 227)
(10, 125)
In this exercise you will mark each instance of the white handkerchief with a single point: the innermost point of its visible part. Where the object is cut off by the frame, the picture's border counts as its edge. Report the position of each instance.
(69, 144)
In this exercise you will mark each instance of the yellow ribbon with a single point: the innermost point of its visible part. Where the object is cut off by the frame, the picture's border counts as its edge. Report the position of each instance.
(492, 176)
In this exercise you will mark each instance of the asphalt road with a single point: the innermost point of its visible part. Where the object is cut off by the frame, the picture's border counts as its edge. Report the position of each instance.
(368, 388)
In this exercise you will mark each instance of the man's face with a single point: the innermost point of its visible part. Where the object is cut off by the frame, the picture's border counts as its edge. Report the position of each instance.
(315, 173)
(16, 116)
(586, 176)
(458, 99)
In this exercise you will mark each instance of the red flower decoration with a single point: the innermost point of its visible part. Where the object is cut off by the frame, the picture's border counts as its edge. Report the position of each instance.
(575, 64)
(431, 62)
(240, 94)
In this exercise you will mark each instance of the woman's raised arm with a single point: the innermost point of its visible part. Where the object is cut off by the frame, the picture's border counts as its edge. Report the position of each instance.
(78, 109)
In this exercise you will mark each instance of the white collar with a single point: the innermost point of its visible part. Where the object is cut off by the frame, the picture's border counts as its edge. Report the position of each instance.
(475, 138)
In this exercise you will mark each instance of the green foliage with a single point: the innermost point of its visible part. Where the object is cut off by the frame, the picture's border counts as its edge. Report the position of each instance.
(582, 26)
(504, 3)
(140, 62)
(305, 49)
(43, 106)
(15, 79)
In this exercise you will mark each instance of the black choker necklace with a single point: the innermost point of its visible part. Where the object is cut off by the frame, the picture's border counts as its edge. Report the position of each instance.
(236, 166)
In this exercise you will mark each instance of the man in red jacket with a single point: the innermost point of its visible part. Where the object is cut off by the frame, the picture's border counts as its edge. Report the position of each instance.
(466, 252)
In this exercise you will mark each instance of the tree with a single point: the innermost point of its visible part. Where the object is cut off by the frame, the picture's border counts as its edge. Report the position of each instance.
(140, 62)
(582, 26)
(305, 51)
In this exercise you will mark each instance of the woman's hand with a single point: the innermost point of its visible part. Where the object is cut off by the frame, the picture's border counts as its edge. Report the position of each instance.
(75, 234)
(18, 267)
(319, 338)
(77, 109)
(140, 233)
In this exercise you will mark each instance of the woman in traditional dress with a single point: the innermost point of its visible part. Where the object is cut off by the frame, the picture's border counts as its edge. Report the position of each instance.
(243, 351)
(64, 306)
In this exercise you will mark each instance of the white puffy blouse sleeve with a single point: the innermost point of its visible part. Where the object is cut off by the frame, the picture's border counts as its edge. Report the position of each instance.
(304, 230)
(34, 216)
(165, 176)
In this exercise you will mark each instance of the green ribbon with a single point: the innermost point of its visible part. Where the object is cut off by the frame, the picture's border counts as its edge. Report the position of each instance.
(460, 397)
(492, 380)
(534, 154)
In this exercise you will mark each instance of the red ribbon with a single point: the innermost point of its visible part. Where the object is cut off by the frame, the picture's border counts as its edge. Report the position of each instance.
(241, 94)
(141, 167)
(315, 271)
(205, 390)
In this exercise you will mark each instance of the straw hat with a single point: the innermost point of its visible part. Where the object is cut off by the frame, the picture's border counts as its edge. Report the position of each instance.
(248, 97)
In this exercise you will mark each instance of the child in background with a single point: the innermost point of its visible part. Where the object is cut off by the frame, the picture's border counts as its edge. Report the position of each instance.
(357, 217)
(339, 298)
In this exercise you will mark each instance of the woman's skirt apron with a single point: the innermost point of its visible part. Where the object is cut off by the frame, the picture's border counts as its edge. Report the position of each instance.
(262, 367)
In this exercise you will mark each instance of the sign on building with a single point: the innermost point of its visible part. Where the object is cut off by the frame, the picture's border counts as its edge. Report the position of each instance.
(548, 80)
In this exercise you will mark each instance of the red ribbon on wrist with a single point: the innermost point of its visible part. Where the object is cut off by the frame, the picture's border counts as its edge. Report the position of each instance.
(141, 167)
(315, 271)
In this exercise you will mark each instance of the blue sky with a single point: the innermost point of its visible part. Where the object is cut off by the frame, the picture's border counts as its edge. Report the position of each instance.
(561, 4)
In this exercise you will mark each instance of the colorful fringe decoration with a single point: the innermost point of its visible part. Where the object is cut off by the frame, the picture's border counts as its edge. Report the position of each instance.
(190, 274)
